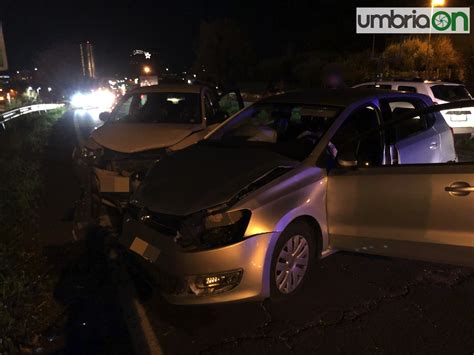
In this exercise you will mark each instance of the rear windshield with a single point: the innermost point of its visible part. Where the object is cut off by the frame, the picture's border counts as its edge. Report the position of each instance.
(407, 88)
(375, 86)
(450, 92)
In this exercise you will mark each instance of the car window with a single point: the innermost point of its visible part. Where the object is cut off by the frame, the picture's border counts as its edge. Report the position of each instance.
(451, 149)
(394, 109)
(123, 109)
(407, 88)
(383, 86)
(229, 103)
(358, 136)
(159, 107)
(450, 92)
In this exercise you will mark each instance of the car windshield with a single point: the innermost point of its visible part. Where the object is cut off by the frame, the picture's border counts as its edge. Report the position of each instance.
(292, 130)
(159, 107)
(450, 92)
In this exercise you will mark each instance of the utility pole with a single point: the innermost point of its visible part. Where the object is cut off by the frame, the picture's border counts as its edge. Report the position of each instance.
(373, 47)
(434, 3)
(3, 51)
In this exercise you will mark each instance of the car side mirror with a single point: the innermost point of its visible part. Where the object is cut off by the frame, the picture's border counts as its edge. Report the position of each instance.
(104, 116)
(347, 160)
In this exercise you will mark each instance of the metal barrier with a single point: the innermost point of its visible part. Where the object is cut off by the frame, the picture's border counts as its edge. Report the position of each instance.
(9, 115)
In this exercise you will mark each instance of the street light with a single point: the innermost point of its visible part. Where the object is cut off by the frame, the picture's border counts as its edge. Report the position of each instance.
(434, 3)
(146, 69)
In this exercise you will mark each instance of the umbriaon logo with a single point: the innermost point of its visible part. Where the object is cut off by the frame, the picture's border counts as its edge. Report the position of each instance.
(446, 20)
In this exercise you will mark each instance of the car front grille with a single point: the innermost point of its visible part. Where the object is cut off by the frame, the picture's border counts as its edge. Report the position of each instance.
(130, 163)
(150, 274)
(172, 285)
(130, 166)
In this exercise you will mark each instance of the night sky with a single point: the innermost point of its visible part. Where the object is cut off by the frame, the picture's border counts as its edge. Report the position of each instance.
(171, 27)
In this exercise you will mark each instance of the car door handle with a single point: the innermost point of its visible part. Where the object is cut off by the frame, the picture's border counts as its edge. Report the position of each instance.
(459, 188)
(434, 146)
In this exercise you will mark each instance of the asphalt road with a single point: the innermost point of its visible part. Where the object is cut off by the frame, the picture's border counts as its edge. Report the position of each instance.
(353, 303)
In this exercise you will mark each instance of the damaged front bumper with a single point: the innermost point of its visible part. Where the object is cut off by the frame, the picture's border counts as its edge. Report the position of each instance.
(111, 188)
(114, 180)
(232, 273)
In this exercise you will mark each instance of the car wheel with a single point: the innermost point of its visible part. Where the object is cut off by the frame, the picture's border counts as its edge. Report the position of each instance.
(293, 259)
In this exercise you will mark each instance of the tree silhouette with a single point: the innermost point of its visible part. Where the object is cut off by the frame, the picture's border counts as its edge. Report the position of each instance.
(415, 56)
(224, 52)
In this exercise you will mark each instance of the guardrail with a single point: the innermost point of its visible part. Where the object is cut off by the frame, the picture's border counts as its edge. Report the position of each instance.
(9, 115)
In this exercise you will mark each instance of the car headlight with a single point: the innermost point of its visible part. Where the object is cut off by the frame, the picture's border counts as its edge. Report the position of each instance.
(221, 229)
(201, 231)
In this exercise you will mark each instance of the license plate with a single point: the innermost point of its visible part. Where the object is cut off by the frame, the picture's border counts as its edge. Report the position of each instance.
(458, 118)
(114, 183)
(145, 250)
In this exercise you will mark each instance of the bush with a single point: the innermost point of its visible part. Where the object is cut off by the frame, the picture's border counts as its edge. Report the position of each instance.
(26, 299)
(414, 56)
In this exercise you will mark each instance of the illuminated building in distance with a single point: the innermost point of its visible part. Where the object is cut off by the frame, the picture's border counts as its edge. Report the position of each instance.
(3, 52)
(87, 60)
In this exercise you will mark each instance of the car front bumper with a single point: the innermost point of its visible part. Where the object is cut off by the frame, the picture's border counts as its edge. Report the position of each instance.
(174, 270)
(460, 123)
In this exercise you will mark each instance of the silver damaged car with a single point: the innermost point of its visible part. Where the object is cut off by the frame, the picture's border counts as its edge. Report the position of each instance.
(246, 213)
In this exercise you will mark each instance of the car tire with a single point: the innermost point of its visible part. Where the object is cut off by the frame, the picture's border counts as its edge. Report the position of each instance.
(294, 258)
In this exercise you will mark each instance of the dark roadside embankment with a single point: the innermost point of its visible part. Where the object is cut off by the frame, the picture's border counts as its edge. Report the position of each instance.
(56, 296)
(25, 277)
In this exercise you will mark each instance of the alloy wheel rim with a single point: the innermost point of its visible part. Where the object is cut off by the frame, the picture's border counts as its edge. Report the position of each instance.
(292, 264)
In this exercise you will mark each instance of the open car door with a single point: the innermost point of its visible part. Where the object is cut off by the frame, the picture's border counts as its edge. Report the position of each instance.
(421, 211)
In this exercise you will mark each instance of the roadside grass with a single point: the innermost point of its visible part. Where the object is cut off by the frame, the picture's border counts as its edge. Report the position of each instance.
(27, 305)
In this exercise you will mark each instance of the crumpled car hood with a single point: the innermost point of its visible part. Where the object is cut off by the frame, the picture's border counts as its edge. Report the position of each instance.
(204, 176)
(138, 137)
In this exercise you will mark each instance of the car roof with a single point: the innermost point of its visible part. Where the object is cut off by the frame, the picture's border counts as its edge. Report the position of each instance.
(336, 97)
(174, 88)
(411, 82)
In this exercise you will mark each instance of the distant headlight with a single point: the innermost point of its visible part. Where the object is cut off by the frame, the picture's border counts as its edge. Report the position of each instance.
(101, 99)
(221, 229)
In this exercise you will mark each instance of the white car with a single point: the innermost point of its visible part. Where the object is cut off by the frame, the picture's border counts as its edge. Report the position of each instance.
(147, 124)
(460, 120)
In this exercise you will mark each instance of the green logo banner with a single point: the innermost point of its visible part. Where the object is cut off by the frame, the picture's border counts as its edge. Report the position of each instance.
(414, 20)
